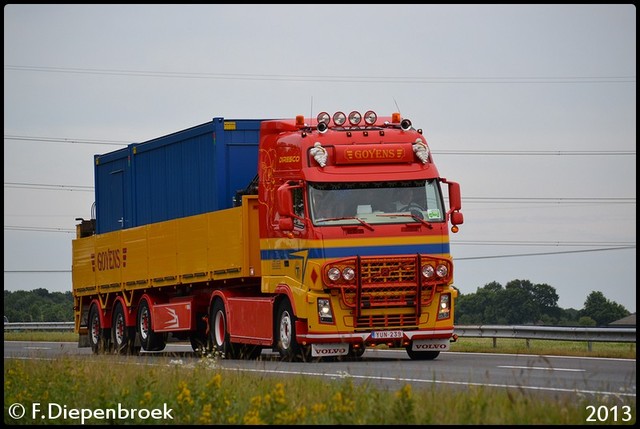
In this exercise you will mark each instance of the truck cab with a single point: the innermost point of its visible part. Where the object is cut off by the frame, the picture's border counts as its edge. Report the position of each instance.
(354, 231)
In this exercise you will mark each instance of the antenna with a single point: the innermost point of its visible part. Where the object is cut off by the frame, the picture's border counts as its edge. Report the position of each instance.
(311, 114)
(396, 103)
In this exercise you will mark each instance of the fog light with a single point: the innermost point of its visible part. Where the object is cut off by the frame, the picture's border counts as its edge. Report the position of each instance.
(324, 310)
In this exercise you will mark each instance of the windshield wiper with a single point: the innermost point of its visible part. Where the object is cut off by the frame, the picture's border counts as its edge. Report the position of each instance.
(411, 215)
(363, 222)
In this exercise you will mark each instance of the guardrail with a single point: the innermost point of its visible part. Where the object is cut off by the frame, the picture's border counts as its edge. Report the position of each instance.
(39, 326)
(561, 333)
(527, 332)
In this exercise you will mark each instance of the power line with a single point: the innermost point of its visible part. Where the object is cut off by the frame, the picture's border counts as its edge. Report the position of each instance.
(328, 78)
(557, 200)
(25, 185)
(38, 229)
(618, 245)
(544, 253)
(65, 140)
(554, 200)
(623, 244)
(435, 152)
(456, 259)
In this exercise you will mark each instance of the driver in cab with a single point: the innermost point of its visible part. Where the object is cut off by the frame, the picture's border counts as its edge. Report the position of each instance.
(404, 199)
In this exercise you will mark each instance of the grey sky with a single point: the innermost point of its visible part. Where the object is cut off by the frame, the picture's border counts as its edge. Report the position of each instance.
(531, 108)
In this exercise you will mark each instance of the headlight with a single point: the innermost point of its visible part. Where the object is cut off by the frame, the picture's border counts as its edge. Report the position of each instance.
(428, 271)
(333, 274)
(348, 274)
(442, 270)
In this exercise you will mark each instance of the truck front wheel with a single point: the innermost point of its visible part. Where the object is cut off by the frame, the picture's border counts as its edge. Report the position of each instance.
(286, 343)
(414, 355)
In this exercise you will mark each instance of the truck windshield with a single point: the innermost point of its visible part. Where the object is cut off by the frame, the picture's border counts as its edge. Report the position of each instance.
(375, 202)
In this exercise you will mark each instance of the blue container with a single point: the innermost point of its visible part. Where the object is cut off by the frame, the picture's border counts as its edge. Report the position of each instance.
(193, 171)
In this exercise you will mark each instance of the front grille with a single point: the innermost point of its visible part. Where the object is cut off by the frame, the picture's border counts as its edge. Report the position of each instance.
(386, 292)
(387, 283)
(378, 271)
(378, 321)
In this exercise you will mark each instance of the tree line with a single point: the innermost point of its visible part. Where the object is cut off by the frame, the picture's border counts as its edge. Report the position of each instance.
(519, 302)
(38, 305)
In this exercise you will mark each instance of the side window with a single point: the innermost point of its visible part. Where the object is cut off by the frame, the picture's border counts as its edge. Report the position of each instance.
(434, 206)
(298, 208)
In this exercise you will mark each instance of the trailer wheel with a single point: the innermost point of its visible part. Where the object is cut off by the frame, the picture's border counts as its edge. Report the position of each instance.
(97, 338)
(220, 339)
(122, 336)
(151, 341)
(285, 335)
(414, 355)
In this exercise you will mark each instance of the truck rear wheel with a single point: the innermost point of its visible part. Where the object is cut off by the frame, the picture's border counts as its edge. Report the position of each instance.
(286, 343)
(122, 336)
(151, 341)
(97, 338)
(220, 338)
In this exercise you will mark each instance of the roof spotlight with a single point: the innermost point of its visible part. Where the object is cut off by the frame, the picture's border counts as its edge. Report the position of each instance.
(323, 118)
(370, 117)
(339, 118)
(355, 118)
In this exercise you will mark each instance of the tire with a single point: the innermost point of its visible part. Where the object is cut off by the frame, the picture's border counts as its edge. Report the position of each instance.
(97, 339)
(218, 332)
(151, 341)
(285, 335)
(122, 336)
(414, 355)
(356, 353)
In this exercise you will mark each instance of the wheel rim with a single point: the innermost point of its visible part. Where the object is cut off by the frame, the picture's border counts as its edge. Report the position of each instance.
(285, 330)
(95, 329)
(219, 329)
(119, 329)
(144, 323)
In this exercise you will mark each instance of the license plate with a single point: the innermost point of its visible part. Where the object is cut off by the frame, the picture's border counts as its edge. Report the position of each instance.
(386, 334)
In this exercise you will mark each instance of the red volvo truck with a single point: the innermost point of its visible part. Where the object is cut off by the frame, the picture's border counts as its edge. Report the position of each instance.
(310, 237)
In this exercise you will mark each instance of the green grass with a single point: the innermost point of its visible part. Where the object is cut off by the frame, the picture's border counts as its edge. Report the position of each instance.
(203, 393)
(546, 347)
(55, 336)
